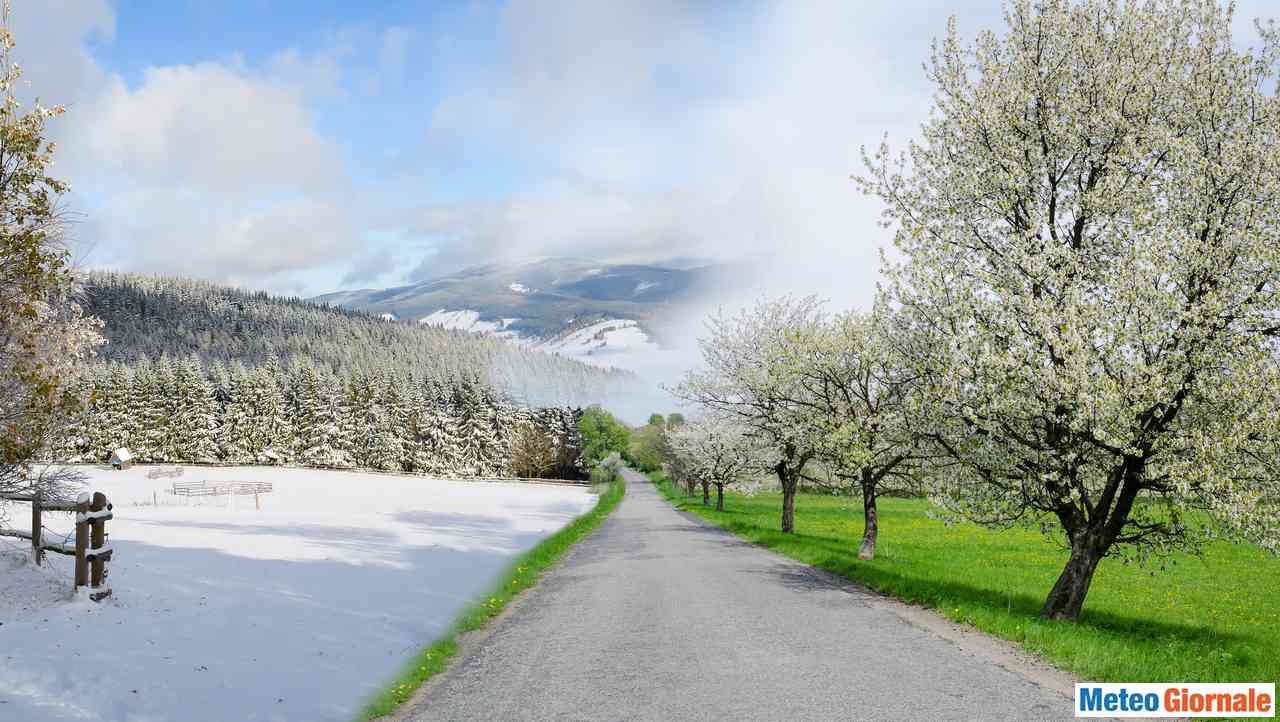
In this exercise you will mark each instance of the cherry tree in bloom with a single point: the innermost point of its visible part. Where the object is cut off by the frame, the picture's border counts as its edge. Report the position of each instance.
(714, 451)
(859, 398)
(44, 336)
(747, 375)
(1090, 228)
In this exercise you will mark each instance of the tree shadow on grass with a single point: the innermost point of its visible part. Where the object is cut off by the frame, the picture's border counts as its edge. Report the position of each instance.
(838, 557)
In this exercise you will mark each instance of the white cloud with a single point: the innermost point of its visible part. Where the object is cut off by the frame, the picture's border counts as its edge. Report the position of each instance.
(677, 128)
(212, 169)
(674, 131)
(223, 237)
(636, 129)
(51, 35)
(206, 127)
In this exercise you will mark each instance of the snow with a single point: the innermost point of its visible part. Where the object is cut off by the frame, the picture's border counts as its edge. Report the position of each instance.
(461, 320)
(387, 316)
(643, 286)
(298, 611)
(611, 342)
(519, 288)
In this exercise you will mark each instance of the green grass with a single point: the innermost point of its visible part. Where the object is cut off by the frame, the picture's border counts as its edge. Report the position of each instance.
(1214, 618)
(522, 574)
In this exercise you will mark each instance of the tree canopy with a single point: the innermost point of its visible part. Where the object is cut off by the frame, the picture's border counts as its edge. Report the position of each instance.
(1091, 256)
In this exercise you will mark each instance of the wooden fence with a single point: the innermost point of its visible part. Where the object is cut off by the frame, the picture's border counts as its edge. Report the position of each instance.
(91, 550)
(222, 488)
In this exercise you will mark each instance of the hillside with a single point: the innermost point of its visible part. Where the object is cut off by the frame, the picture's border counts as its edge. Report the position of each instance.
(594, 312)
(150, 317)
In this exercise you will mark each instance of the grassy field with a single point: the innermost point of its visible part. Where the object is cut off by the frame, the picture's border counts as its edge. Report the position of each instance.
(1214, 618)
(522, 574)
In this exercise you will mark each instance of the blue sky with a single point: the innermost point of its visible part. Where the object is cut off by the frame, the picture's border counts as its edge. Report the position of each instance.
(305, 146)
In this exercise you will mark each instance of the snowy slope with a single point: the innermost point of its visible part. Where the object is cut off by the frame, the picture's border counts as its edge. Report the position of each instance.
(611, 342)
(223, 612)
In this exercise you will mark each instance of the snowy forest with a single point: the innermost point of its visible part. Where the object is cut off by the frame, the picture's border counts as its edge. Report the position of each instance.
(148, 317)
(168, 411)
(197, 373)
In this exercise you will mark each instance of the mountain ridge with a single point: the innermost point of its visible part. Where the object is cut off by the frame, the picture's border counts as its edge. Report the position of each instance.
(594, 311)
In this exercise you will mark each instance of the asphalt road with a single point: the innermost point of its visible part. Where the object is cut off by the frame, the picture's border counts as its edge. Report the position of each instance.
(659, 617)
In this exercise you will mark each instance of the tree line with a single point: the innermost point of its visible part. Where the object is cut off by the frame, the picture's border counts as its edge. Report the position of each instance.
(1078, 329)
(300, 413)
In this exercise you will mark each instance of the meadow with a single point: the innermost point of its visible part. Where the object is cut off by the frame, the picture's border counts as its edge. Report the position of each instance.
(1208, 618)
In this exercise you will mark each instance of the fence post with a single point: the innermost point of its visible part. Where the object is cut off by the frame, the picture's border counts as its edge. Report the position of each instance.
(98, 537)
(82, 540)
(37, 548)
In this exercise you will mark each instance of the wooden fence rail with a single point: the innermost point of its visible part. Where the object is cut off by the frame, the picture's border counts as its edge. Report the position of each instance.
(91, 550)
(223, 488)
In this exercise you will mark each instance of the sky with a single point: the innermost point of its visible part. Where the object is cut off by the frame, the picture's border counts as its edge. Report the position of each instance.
(306, 146)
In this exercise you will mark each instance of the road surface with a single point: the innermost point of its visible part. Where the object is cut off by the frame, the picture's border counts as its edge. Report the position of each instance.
(658, 616)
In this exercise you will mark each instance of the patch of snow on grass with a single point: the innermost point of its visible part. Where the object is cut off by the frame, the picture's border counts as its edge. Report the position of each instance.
(220, 611)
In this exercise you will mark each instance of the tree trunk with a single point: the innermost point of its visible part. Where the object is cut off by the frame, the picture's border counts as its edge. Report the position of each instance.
(1066, 599)
(719, 497)
(867, 551)
(706, 493)
(789, 483)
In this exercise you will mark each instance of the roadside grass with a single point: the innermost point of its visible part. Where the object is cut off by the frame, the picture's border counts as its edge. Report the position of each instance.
(1213, 618)
(523, 573)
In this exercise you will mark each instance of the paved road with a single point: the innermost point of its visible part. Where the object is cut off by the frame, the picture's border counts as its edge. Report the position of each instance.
(659, 617)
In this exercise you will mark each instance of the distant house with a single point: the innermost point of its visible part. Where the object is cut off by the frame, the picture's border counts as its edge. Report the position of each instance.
(121, 458)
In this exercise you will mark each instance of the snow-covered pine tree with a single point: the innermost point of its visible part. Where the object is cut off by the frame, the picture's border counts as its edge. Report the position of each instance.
(146, 409)
(164, 427)
(477, 443)
(195, 422)
(366, 426)
(442, 444)
(111, 420)
(239, 438)
(275, 425)
(320, 420)
(507, 422)
(393, 441)
(417, 425)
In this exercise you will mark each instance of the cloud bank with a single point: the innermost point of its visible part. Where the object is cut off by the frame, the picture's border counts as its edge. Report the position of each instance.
(614, 130)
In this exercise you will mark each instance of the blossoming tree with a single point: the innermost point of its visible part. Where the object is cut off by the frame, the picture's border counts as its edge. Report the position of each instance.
(1090, 231)
(714, 451)
(859, 402)
(747, 376)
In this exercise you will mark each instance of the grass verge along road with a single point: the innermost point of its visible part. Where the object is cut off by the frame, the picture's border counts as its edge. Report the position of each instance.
(522, 574)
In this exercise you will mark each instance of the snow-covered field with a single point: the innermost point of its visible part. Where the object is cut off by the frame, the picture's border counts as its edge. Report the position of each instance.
(611, 342)
(297, 611)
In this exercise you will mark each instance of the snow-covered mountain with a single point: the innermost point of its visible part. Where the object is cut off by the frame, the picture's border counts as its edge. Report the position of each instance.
(603, 314)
